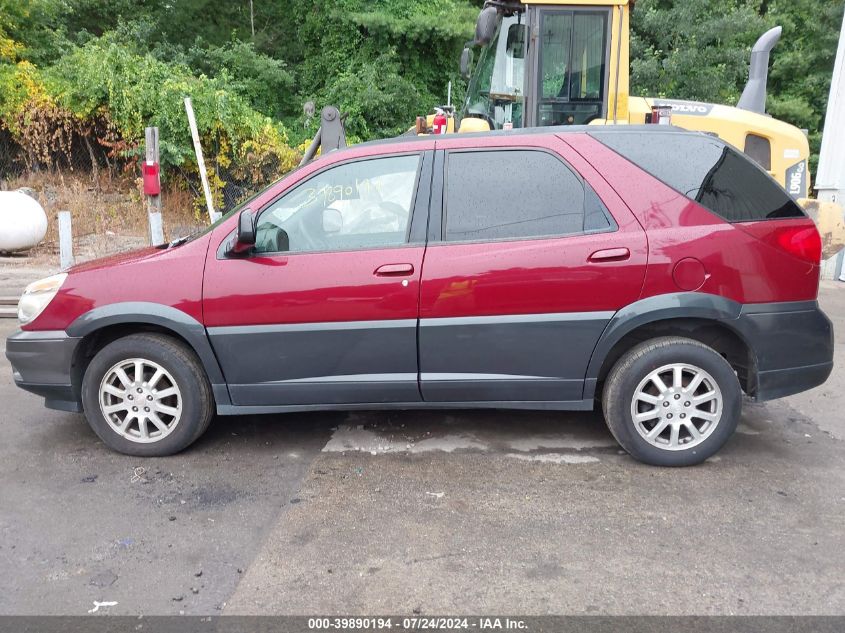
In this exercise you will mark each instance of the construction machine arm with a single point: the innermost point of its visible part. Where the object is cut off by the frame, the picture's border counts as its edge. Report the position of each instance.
(330, 136)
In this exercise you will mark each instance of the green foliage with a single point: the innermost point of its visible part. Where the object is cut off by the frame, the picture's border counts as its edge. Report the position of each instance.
(378, 101)
(396, 56)
(105, 69)
(695, 49)
(106, 84)
(700, 49)
(9, 48)
(802, 63)
(22, 29)
(121, 65)
(264, 81)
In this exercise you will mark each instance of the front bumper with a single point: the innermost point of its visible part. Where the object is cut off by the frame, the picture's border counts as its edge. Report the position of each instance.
(793, 346)
(42, 363)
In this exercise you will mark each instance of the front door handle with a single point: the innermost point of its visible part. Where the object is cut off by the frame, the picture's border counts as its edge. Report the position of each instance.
(394, 270)
(610, 255)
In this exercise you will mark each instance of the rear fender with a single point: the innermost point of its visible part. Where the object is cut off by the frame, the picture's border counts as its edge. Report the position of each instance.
(681, 305)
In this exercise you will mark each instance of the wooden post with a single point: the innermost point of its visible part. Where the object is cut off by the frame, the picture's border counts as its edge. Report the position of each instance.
(65, 241)
(154, 200)
(213, 216)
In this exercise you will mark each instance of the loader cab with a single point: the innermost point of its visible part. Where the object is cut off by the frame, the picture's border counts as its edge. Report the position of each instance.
(539, 65)
(566, 62)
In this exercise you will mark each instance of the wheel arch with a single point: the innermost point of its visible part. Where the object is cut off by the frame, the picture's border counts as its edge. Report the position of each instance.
(105, 324)
(706, 318)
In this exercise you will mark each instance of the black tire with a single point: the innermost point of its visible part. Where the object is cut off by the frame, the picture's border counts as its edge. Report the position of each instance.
(182, 364)
(635, 365)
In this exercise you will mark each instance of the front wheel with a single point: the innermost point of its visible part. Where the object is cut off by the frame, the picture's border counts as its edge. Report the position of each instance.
(147, 395)
(672, 401)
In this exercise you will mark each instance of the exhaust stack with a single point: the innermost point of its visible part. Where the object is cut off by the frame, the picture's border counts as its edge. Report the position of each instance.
(753, 96)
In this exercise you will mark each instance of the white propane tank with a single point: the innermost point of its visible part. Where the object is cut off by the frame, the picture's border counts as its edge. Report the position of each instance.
(23, 223)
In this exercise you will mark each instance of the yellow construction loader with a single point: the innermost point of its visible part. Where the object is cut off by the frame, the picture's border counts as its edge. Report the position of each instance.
(566, 62)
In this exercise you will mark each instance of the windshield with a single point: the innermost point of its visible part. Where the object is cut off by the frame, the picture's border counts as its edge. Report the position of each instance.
(495, 91)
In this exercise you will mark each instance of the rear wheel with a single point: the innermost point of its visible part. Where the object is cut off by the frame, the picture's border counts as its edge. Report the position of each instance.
(147, 395)
(672, 401)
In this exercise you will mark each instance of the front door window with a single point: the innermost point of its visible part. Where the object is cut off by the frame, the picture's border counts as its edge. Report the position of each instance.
(359, 205)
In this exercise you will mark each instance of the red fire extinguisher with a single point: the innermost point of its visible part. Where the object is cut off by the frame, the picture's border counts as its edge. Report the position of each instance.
(440, 122)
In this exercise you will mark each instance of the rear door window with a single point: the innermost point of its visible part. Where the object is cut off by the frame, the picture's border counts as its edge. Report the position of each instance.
(517, 194)
(708, 171)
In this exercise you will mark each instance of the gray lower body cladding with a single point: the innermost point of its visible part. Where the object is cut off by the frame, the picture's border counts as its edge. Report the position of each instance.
(41, 363)
(308, 363)
(521, 358)
(534, 357)
(520, 361)
(792, 344)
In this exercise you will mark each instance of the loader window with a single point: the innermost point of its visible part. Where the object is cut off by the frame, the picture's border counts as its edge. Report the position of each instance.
(760, 149)
(517, 194)
(495, 92)
(573, 54)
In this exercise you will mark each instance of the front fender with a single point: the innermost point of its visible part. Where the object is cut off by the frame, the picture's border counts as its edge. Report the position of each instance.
(154, 314)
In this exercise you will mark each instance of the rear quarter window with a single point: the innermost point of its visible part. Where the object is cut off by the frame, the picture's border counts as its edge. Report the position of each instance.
(707, 170)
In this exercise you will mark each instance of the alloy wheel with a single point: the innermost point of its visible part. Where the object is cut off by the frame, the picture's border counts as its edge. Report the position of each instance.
(677, 406)
(140, 400)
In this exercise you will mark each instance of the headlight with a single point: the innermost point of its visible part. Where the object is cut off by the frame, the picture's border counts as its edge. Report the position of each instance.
(37, 296)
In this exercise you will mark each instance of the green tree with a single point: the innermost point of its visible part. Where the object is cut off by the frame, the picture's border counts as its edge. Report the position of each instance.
(396, 56)
(32, 29)
(692, 49)
(135, 90)
(377, 100)
(266, 82)
(802, 63)
(700, 49)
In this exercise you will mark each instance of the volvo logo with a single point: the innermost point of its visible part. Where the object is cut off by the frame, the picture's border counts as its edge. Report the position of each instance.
(689, 108)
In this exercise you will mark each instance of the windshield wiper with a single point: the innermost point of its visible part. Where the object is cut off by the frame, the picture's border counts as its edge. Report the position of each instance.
(180, 240)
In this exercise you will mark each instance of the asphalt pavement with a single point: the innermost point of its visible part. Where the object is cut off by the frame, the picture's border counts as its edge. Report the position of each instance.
(425, 512)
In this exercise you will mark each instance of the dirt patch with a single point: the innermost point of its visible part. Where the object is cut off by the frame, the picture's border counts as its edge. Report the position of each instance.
(108, 214)
(111, 208)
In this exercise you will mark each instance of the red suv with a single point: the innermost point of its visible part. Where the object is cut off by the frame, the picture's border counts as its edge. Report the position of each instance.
(657, 271)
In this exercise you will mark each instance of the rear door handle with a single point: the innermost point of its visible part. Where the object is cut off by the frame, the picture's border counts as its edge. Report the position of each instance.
(394, 270)
(610, 255)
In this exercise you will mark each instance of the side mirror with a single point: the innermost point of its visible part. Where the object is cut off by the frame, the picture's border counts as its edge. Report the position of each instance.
(485, 26)
(466, 62)
(332, 221)
(245, 238)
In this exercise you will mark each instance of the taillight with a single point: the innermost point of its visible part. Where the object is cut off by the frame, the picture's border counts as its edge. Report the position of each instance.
(804, 243)
(799, 237)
